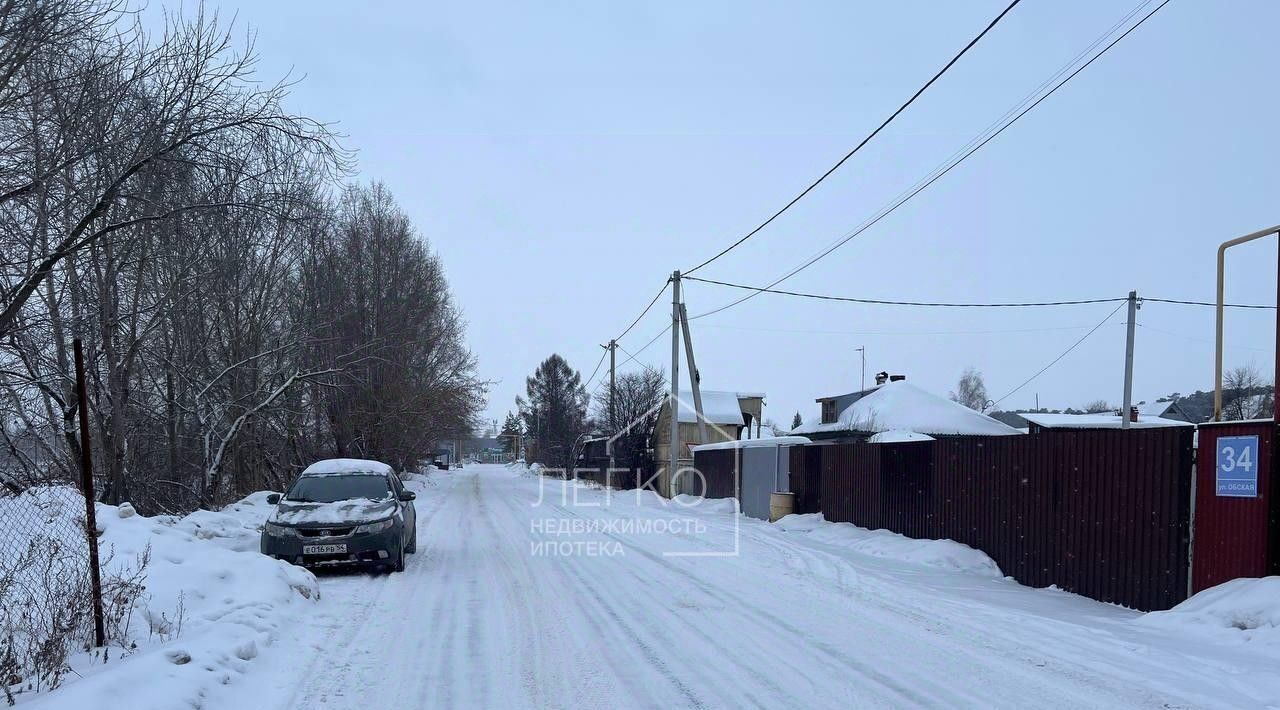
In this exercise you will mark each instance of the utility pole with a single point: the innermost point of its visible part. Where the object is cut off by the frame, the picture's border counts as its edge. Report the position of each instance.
(1128, 360)
(863, 351)
(612, 347)
(694, 376)
(674, 446)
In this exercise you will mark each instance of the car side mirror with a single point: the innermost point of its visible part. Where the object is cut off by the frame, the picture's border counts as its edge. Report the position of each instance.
(273, 498)
(407, 495)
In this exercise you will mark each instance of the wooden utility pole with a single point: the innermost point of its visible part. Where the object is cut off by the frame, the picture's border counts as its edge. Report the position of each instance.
(694, 377)
(90, 500)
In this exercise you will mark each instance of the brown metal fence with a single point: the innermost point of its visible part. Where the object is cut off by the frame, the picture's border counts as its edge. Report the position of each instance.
(806, 477)
(1104, 513)
(1236, 536)
(719, 469)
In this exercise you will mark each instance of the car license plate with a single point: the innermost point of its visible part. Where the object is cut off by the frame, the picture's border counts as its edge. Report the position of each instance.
(324, 549)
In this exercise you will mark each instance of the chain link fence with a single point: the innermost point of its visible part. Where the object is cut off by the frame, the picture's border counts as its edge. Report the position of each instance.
(46, 604)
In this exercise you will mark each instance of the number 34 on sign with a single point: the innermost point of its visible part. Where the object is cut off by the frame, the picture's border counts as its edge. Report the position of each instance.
(1238, 467)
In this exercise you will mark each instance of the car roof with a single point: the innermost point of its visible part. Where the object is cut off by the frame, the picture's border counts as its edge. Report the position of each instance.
(335, 467)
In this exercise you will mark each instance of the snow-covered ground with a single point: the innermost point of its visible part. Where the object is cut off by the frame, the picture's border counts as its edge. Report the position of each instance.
(522, 597)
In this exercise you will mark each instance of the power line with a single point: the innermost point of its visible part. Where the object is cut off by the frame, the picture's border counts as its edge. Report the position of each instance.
(1064, 353)
(928, 304)
(631, 357)
(937, 304)
(864, 141)
(1207, 303)
(949, 165)
(643, 313)
(795, 331)
(595, 371)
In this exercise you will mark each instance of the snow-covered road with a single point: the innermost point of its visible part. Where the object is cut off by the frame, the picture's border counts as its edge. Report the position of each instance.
(482, 618)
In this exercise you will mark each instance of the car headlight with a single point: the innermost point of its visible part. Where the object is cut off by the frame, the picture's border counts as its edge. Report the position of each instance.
(276, 530)
(374, 527)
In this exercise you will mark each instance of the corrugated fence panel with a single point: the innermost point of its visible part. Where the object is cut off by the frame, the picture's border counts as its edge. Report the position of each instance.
(1235, 537)
(1101, 512)
(719, 469)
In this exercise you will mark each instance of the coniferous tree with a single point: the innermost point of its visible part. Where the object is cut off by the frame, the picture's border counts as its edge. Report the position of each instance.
(554, 411)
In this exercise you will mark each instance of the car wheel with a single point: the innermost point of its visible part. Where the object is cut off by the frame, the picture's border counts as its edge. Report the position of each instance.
(399, 565)
(413, 543)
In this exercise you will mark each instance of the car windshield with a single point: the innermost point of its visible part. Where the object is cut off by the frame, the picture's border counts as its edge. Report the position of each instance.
(328, 489)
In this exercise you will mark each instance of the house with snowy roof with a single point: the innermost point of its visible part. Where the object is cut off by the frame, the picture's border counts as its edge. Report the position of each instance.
(896, 410)
(725, 417)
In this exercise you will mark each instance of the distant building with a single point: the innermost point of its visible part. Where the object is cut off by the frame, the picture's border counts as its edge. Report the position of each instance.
(726, 416)
(900, 407)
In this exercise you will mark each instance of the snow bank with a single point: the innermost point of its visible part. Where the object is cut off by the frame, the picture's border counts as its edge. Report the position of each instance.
(205, 610)
(1249, 606)
(704, 505)
(235, 527)
(945, 554)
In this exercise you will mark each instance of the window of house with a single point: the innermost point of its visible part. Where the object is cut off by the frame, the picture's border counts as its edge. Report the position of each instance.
(828, 411)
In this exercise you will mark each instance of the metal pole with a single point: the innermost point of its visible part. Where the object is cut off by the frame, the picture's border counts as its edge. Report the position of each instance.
(1128, 360)
(863, 351)
(1217, 351)
(694, 376)
(674, 445)
(90, 501)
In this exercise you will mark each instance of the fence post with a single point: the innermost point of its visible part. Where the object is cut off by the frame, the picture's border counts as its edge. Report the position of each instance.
(86, 487)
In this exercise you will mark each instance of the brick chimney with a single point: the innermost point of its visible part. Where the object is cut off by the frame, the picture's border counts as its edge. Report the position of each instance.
(1133, 414)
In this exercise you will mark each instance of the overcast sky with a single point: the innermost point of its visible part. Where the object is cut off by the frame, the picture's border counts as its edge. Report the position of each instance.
(564, 157)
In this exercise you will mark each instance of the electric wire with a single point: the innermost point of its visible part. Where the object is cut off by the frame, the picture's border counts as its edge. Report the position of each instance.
(1066, 352)
(942, 171)
(944, 304)
(864, 141)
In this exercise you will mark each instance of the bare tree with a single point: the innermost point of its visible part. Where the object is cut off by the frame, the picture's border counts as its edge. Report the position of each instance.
(971, 391)
(1098, 406)
(238, 321)
(1246, 394)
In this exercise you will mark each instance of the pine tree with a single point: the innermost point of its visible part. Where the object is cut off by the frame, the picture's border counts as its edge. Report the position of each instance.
(512, 428)
(554, 412)
(796, 421)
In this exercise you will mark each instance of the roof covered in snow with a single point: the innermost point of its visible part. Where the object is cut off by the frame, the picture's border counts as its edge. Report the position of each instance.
(753, 443)
(1154, 409)
(896, 436)
(1103, 420)
(902, 406)
(717, 407)
(337, 466)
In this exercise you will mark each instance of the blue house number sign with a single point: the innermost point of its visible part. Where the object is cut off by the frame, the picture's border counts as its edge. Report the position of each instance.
(1238, 466)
